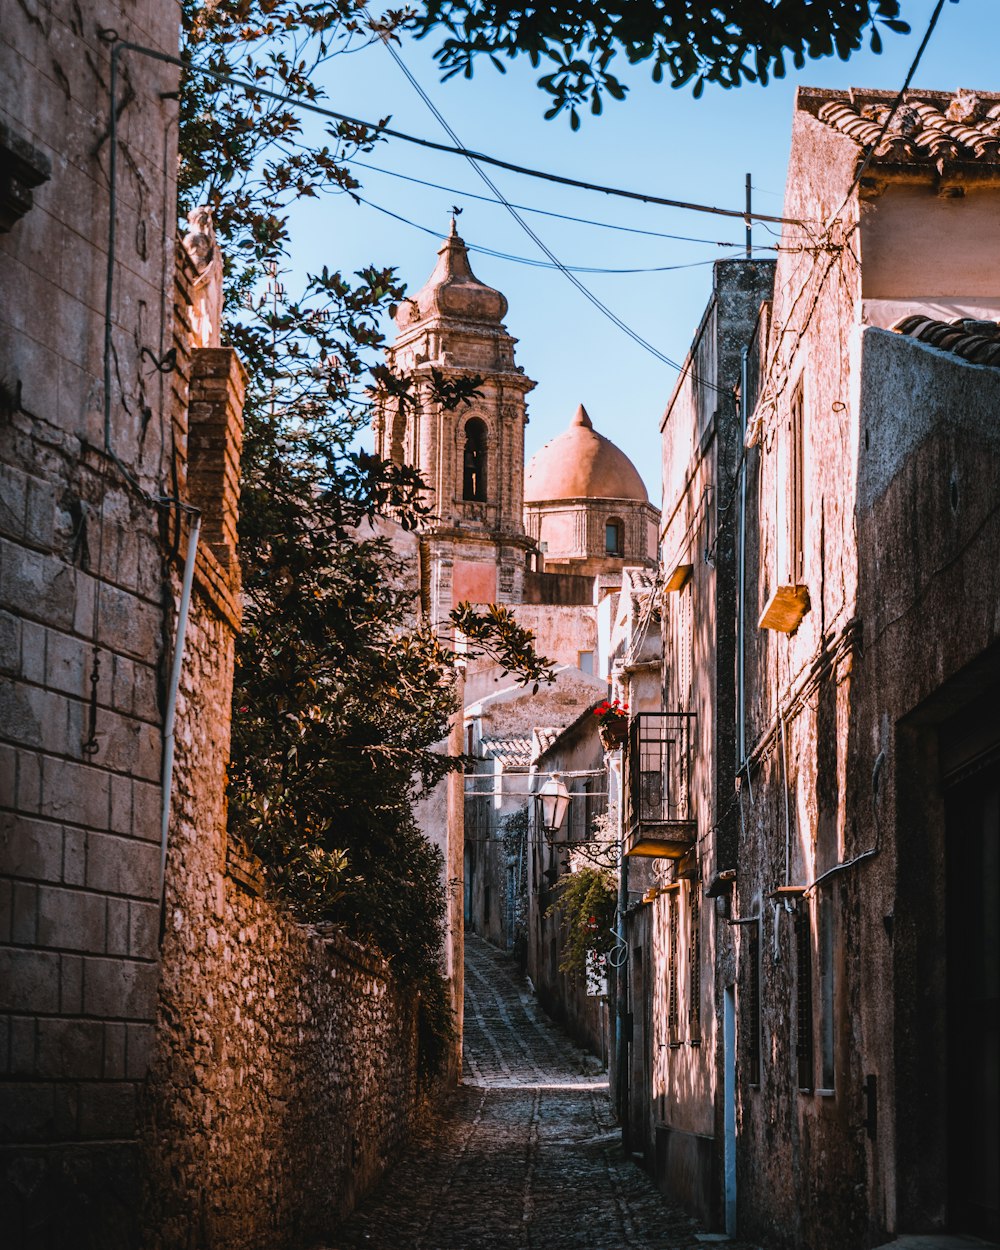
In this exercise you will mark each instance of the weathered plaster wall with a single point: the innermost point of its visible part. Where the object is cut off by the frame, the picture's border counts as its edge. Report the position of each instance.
(800, 1169)
(916, 242)
(689, 948)
(561, 633)
(928, 506)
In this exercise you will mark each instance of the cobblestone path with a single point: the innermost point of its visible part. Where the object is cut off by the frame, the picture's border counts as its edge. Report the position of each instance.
(526, 1155)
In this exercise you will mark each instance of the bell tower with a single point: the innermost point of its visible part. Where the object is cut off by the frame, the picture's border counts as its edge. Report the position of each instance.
(471, 457)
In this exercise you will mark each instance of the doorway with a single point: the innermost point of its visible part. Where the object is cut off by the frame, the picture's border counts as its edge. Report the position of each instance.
(972, 808)
(729, 1105)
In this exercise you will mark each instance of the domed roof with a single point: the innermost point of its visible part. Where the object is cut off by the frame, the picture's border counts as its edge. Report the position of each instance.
(580, 463)
(453, 290)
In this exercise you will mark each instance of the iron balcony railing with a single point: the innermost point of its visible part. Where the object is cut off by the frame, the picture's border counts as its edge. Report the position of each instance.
(659, 820)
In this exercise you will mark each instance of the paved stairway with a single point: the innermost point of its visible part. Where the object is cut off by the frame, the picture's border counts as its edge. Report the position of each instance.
(527, 1155)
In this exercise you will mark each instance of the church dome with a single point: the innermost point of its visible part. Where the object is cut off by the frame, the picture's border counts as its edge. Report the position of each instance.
(453, 290)
(581, 464)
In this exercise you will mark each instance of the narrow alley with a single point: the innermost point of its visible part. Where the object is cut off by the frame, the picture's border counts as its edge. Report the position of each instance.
(527, 1152)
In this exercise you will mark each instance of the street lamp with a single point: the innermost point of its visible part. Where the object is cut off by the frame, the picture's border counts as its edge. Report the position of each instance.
(554, 799)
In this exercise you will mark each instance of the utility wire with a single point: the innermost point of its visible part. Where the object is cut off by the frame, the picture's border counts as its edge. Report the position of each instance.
(528, 260)
(895, 107)
(545, 212)
(540, 244)
(777, 374)
(111, 36)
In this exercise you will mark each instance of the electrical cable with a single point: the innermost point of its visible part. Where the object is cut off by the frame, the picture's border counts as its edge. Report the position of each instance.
(527, 260)
(545, 212)
(539, 243)
(108, 35)
(893, 111)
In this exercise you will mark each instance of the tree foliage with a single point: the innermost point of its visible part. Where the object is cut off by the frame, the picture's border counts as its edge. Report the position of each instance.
(727, 42)
(341, 691)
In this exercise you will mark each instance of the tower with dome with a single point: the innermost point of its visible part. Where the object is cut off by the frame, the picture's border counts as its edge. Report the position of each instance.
(497, 533)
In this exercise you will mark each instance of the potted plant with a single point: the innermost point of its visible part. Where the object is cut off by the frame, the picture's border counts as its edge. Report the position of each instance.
(612, 723)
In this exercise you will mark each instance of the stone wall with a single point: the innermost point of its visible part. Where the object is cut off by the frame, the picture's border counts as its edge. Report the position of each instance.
(244, 1075)
(284, 1073)
(284, 1068)
(81, 573)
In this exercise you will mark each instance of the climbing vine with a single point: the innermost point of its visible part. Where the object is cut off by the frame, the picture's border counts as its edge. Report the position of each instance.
(586, 904)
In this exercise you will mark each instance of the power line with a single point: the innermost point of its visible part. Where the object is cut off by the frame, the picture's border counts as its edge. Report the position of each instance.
(527, 260)
(111, 36)
(539, 243)
(546, 212)
(895, 106)
(778, 371)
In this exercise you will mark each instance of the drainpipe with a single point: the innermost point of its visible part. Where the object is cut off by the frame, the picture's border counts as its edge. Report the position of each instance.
(175, 681)
(784, 787)
(621, 972)
(740, 661)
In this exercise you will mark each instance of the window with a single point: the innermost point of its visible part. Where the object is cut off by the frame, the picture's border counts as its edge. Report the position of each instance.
(680, 633)
(474, 461)
(826, 991)
(804, 998)
(694, 961)
(397, 453)
(585, 662)
(791, 495)
(753, 1011)
(613, 537)
(673, 1013)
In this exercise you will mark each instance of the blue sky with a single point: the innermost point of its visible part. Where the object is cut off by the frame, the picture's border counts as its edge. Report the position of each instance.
(660, 141)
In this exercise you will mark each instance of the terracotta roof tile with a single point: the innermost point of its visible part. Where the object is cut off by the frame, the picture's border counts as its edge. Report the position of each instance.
(546, 735)
(976, 341)
(927, 126)
(511, 752)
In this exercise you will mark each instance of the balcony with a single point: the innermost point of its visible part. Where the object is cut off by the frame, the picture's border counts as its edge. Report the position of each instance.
(659, 822)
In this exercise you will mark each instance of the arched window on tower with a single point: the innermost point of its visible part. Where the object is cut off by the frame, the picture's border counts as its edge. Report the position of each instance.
(474, 461)
(398, 437)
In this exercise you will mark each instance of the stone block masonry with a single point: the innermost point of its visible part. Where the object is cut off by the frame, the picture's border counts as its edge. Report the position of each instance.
(79, 870)
(259, 1074)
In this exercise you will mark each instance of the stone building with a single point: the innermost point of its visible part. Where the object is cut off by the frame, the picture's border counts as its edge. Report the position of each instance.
(673, 664)
(816, 970)
(871, 747)
(580, 1003)
(180, 1062)
(87, 608)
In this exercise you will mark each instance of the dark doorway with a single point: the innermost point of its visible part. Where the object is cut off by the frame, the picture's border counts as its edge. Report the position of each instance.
(973, 910)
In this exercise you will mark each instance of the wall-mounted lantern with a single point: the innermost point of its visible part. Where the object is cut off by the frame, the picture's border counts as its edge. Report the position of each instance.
(554, 799)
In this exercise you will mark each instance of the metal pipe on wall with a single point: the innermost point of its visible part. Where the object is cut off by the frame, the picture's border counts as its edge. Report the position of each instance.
(741, 620)
(175, 681)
